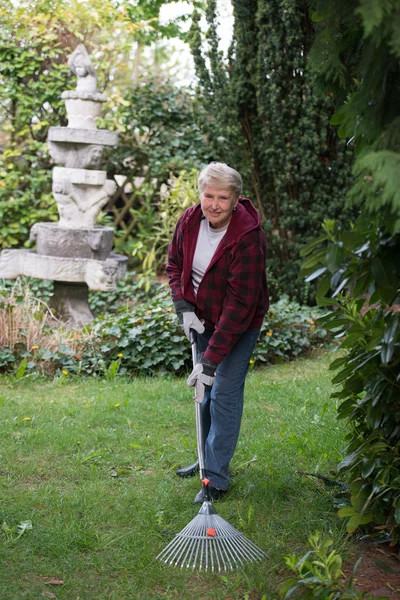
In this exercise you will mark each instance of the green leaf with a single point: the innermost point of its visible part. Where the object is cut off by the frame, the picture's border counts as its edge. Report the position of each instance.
(339, 115)
(289, 587)
(353, 523)
(312, 245)
(346, 511)
(368, 465)
(338, 363)
(397, 515)
(334, 257)
(374, 13)
(349, 460)
(323, 288)
(21, 369)
(315, 259)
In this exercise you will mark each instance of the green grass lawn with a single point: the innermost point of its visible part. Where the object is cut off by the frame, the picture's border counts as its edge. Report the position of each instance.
(94, 470)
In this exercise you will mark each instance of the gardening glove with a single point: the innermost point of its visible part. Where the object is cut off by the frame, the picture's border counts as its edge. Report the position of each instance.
(187, 317)
(190, 321)
(203, 374)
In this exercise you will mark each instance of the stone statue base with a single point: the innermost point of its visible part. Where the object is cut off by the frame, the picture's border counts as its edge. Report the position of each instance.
(70, 302)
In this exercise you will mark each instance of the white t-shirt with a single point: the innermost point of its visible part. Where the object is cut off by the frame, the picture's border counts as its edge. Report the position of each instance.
(207, 243)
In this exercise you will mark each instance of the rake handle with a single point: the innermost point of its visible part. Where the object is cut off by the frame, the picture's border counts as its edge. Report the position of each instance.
(199, 427)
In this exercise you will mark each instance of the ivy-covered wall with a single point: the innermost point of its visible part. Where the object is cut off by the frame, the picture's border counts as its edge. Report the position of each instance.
(266, 119)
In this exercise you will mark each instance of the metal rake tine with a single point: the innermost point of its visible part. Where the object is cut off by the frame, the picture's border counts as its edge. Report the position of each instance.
(182, 550)
(195, 551)
(191, 548)
(167, 553)
(229, 553)
(219, 555)
(225, 541)
(216, 543)
(210, 547)
(196, 555)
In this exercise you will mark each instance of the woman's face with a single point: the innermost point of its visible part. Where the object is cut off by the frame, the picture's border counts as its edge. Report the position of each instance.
(217, 206)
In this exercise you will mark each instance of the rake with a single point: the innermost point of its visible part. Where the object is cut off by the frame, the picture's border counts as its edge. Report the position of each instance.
(208, 542)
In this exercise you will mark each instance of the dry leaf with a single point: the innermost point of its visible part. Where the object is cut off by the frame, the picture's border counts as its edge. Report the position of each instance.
(48, 594)
(55, 582)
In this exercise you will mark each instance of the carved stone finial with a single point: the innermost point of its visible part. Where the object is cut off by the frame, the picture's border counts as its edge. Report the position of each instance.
(84, 103)
(81, 65)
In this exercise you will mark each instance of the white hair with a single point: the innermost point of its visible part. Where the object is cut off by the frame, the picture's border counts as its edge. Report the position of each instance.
(222, 177)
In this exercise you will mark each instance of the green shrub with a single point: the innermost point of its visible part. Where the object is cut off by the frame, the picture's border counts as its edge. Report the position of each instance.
(41, 289)
(128, 293)
(319, 574)
(355, 56)
(147, 339)
(34, 73)
(289, 330)
(151, 340)
(365, 263)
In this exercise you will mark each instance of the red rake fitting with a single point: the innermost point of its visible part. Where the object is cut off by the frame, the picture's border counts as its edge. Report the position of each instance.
(211, 532)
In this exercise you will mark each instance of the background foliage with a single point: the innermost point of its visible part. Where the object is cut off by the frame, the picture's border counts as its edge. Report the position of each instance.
(155, 119)
(265, 118)
(33, 75)
(134, 333)
(360, 267)
(159, 142)
(258, 110)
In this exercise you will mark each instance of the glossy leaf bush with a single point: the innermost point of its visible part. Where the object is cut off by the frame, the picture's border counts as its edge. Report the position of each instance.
(356, 54)
(362, 268)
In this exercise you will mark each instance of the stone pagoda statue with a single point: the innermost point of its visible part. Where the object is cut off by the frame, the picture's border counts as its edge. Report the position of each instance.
(74, 252)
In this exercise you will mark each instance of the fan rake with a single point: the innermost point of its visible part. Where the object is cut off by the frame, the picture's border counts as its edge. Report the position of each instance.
(208, 542)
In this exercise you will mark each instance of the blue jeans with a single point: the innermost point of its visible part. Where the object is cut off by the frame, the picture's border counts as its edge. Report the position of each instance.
(222, 406)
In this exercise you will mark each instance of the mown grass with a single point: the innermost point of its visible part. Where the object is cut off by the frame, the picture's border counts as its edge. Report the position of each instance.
(98, 483)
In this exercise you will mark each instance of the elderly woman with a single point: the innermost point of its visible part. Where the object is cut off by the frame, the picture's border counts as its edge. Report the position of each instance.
(216, 270)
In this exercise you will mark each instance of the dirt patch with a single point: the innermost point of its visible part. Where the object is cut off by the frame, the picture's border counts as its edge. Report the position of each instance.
(378, 574)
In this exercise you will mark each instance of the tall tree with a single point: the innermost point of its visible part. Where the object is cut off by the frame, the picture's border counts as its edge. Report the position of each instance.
(357, 54)
(266, 119)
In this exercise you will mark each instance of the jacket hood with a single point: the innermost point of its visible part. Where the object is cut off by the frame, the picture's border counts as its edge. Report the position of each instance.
(244, 219)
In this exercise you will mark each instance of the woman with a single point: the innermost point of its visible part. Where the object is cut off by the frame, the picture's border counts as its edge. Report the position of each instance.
(216, 270)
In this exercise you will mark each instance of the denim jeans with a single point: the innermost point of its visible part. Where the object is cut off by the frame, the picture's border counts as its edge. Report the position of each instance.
(222, 406)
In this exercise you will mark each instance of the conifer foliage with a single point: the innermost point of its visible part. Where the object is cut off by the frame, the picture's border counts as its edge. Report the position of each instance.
(357, 53)
(265, 118)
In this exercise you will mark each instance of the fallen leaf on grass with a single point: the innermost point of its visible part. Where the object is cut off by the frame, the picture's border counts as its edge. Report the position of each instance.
(55, 582)
(48, 595)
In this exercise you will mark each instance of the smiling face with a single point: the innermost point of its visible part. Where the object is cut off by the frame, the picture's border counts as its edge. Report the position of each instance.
(217, 206)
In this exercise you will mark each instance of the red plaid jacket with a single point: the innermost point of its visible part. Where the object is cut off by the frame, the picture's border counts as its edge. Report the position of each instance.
(233, 294)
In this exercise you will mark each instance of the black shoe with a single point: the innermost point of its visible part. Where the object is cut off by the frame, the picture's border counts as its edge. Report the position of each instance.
(215, 495)
(189, 471)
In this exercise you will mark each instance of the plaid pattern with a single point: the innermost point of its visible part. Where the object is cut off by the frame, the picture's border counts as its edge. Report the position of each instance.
(233, 295)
